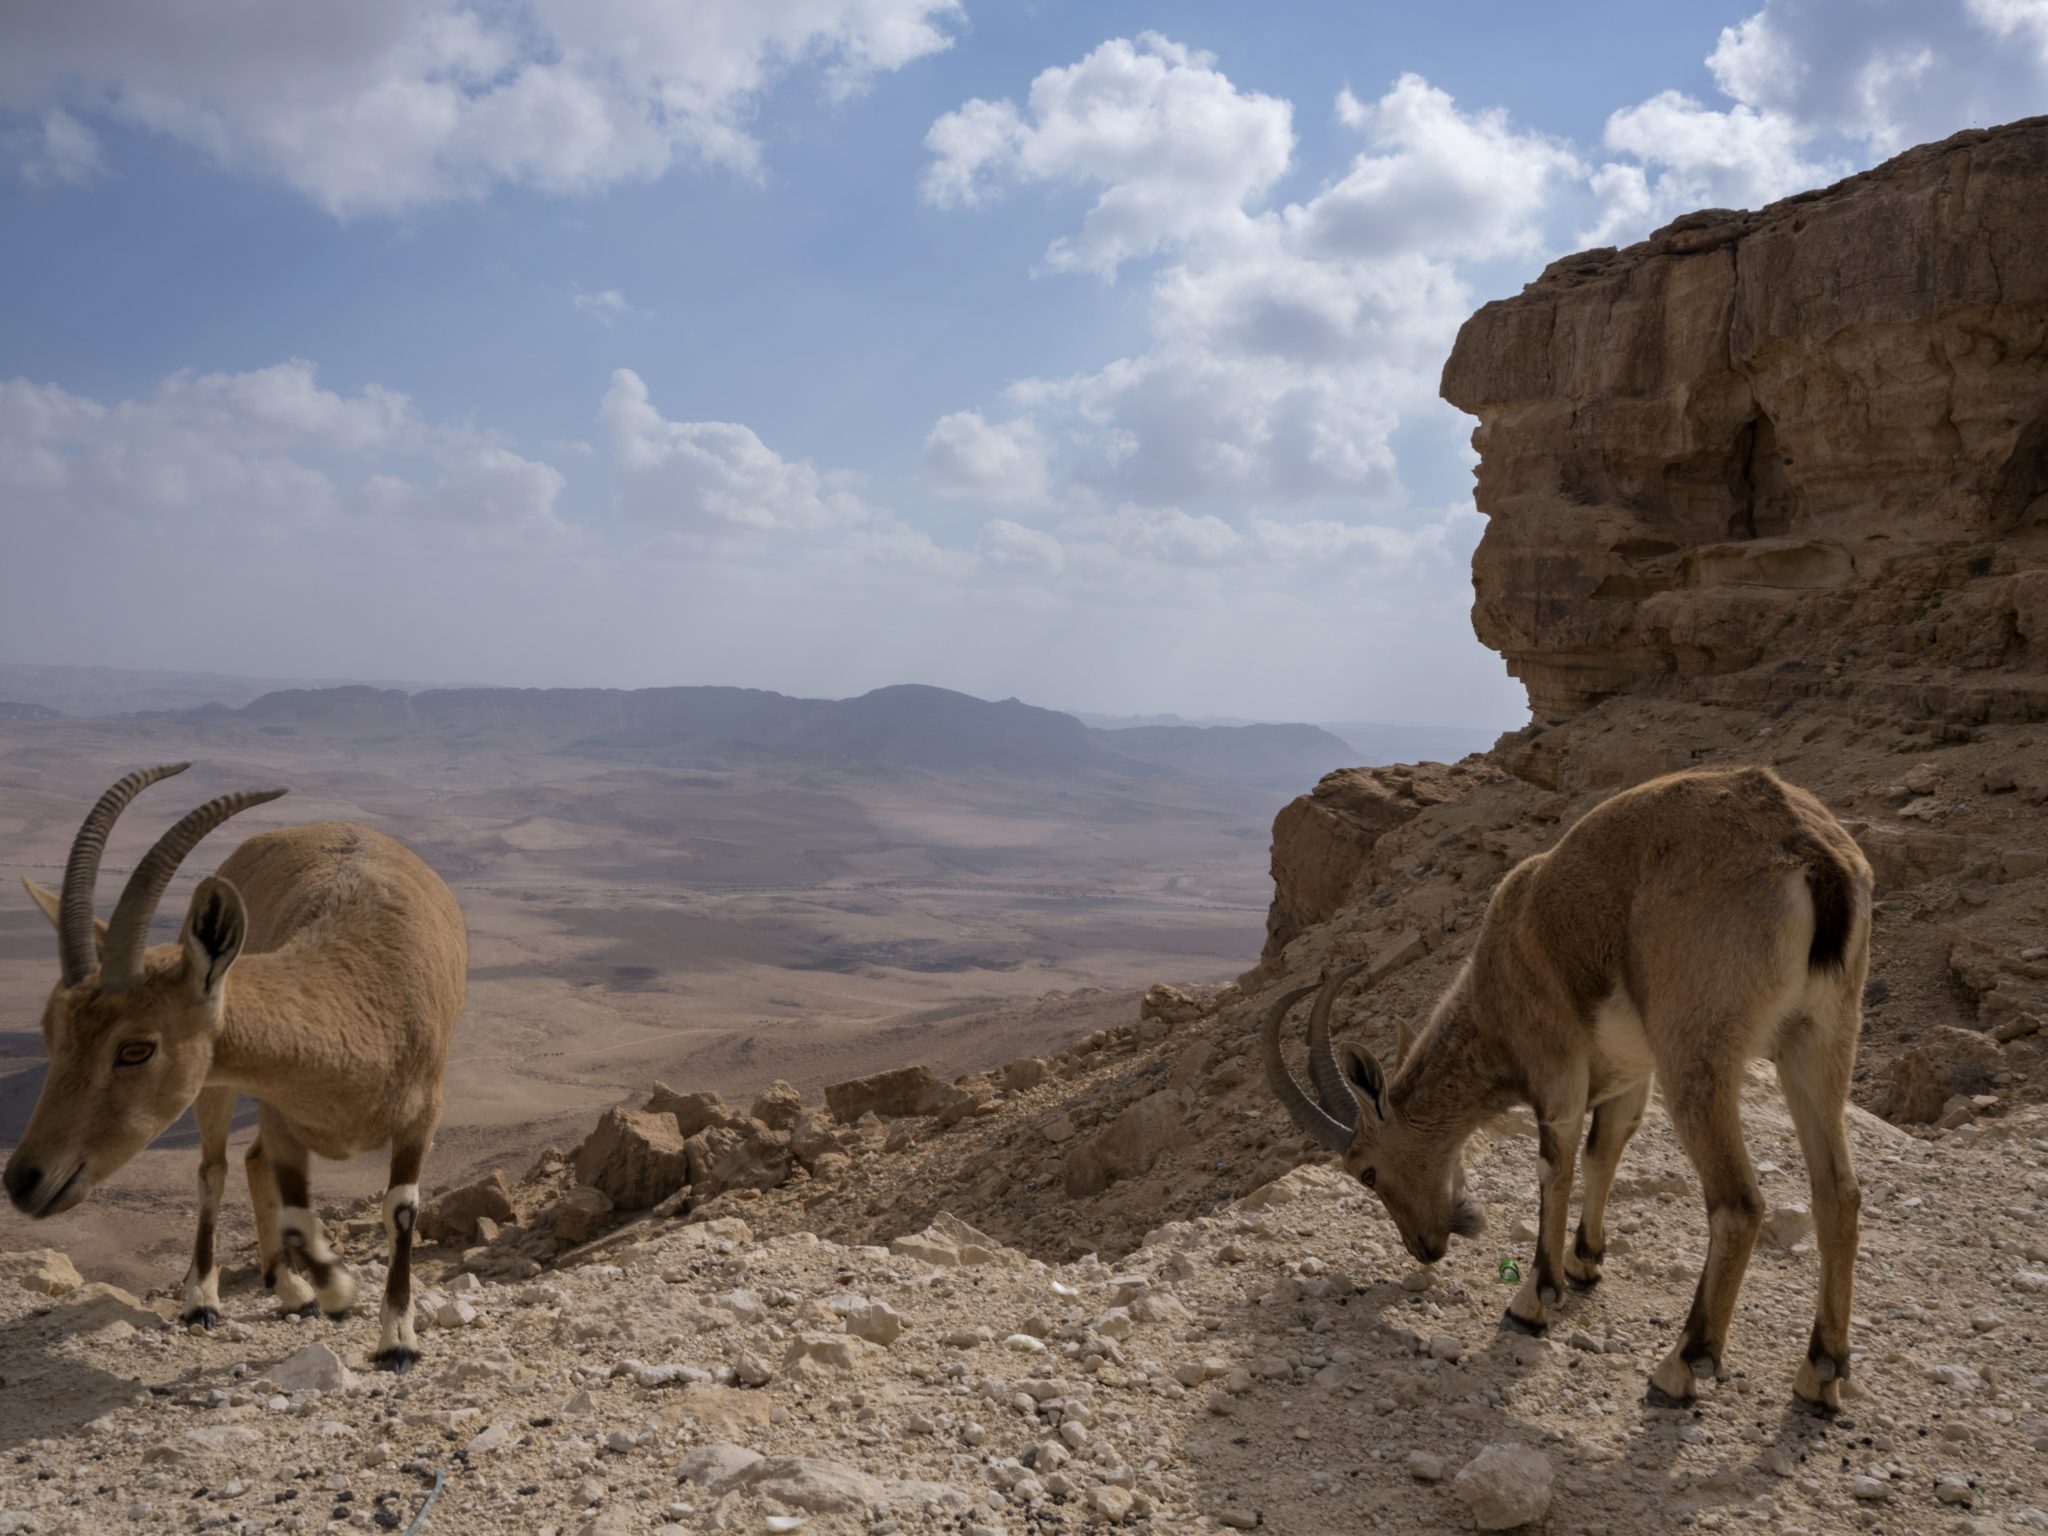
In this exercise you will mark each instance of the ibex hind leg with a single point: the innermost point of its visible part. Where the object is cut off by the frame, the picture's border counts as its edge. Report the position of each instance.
(397, 1345)
(303, 1236)
(1704, 1099)
(1816, 1057)
(280, 1273)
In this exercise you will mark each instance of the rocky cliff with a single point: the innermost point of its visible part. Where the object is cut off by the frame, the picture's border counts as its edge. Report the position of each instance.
(1810, 441)
(1767, 487)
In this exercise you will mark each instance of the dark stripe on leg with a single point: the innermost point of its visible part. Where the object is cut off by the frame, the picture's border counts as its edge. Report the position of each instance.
(1693, 1343)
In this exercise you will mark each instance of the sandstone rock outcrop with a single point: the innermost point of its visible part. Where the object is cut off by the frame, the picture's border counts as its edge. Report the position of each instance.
(636, 1157)
(1323, 841)
(1812, 437)
(900, 1092)
(452, 1215)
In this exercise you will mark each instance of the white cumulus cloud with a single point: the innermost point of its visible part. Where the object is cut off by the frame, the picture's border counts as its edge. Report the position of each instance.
(376, 106)
(1175, 148)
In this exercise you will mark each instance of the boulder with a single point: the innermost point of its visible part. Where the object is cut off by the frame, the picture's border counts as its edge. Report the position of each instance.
(779, 1108)
(316, 1368)
(810, 1483)
(693, 1111)
(1026, 1073)
(717, 1468)
(1506, 1486)
(722, 1159)
(452, 1215)
(1129, 1145)
(815, 1136)
(1323, 841)
(1169, 1004)
(888, 1094)
(44, 1271)
(1945, 1063)
(635, 1156)
(580, 1215)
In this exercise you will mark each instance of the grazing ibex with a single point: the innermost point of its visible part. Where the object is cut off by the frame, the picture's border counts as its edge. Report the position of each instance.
(336, 1020)
(1680, 929)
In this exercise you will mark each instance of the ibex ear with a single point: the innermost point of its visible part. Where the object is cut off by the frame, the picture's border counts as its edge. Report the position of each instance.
(1362, 1071)
(215, 925)
(48, 901)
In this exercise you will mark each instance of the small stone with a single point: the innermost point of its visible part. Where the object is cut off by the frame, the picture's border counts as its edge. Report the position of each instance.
(1425, 1468)
(1506, 1486)
(1786, 1227)
(495, 1438)
(1238, 1519)
(1951, 1488)
(316, 1368)
(1110, 1502)
(1418, 1280)
(454, 1313)
(1871, 1490)
(1444, 1347)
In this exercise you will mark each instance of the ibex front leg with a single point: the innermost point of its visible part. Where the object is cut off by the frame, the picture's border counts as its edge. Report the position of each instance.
(215, 1111)
(1614, 1122)
(398, 1346)
(1557, 1150)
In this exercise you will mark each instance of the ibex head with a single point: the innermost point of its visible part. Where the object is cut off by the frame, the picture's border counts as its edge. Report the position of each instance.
(130, 1035)
(1415, 1170)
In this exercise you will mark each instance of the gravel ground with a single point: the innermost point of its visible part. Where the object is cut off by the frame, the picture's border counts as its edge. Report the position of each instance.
(1276, 1364)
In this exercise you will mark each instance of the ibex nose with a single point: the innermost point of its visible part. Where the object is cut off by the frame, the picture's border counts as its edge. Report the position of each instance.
(21, 1183)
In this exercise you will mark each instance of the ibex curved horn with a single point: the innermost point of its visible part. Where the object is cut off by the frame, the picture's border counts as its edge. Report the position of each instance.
(1326, 1128)
(77, 949)
(128, 929)
(1331, 1088)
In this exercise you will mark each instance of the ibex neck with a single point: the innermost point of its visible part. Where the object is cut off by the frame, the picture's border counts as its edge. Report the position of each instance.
(261, 1036)
(1450, 1083)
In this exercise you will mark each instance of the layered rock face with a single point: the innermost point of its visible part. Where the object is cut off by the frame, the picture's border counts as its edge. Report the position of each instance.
(1815, 435)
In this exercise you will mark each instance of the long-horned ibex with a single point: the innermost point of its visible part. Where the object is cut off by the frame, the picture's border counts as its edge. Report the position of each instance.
(352, 958)
(1680, 929)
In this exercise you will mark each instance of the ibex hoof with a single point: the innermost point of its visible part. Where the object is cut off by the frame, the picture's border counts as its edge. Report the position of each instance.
(397, 1359)
(310, 1309)
(1523, 1325)
(205, 1317)
(1819, 1395)
(1657, 1397)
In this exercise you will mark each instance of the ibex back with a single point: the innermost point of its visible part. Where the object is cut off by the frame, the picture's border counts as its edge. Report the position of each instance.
(1679, 929)
(320, 972)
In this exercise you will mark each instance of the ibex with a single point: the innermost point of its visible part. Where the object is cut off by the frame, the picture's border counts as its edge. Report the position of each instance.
(352, 958)
(1680, 929)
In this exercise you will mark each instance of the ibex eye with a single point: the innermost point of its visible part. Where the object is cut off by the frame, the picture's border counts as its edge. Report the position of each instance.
(1372, 1178)
(133, 1053)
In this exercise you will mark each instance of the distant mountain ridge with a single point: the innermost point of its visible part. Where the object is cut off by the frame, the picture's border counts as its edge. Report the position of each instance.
(906, 725)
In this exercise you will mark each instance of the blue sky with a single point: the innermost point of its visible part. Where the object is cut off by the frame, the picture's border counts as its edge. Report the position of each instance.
(1083, 352)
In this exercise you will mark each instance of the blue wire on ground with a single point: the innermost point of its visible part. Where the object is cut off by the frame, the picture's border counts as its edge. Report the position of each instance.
(420, 1519)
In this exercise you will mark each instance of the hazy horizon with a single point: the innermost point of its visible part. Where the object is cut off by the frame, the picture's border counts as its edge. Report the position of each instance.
(1060, 352)
(1106, 719)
